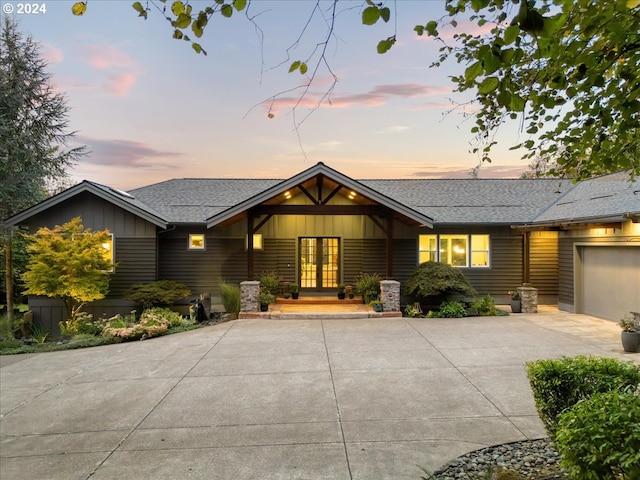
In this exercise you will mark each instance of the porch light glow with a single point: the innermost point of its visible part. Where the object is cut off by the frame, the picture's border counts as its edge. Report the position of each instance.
(458, 249)
(352, 195)
(287, 195)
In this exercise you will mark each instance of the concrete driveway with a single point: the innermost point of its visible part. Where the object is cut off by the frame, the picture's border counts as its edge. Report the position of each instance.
(285, 399)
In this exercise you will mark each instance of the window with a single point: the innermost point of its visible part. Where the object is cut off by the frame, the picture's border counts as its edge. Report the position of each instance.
(457, 250)
(196, 241)
(257, 241)
(108, 251)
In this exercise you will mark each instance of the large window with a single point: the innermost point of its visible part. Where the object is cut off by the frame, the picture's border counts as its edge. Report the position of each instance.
(456, 250)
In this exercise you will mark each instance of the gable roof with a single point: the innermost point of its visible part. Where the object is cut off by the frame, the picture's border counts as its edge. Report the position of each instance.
(119, 198)
(536, 202)
(320, 169)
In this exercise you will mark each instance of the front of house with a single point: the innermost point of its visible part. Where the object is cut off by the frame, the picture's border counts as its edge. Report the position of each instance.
(321, 228)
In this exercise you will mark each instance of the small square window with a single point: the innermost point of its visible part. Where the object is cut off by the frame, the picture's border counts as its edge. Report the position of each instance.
(196, 241)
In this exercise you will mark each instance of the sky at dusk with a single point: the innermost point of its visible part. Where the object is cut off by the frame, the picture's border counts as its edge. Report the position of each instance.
(149, 109)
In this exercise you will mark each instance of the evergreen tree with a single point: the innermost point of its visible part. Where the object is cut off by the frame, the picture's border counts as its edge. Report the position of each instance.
(34, 137)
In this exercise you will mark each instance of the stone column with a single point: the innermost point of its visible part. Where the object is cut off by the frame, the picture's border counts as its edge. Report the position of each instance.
(390, 295)
(528, 298)
(249, 292)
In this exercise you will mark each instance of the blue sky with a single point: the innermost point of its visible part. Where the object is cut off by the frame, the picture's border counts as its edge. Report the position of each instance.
(150, 109)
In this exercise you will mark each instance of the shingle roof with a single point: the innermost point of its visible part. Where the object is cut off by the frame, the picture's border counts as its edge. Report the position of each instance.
(497, 201)
(607, 196)
(503, 201)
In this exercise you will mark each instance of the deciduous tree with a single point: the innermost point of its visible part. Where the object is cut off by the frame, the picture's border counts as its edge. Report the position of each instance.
(69, 263)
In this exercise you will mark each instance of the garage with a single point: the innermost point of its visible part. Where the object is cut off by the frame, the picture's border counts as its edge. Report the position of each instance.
(610, 280)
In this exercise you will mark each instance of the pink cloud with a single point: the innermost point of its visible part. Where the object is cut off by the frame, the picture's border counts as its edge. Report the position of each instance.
(51, 54)
(376, 97)
(119, 69)
(104, 57)
(119, 83)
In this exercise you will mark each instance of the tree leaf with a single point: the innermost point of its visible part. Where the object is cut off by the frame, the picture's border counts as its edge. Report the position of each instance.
(294, 66)
(177, 8)
(303, 68)
(370, 15)
(385, 45)
(385, 14)
(472, 72)
(198, 49)
(226, 10)
(239, 5)
(432, 28)
(510, 34)
(183, 21)
(488, 85)
(419, 29)
(79, 9)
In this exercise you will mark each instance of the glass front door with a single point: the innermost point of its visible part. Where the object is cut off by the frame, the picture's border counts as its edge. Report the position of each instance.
(319, 262)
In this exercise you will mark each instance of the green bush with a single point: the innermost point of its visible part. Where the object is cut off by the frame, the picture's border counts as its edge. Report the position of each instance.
(270, 282)
(230, 293)
(158, 294)
(432, 279)
(558, 385)
(159, 315)
(449, 310)
(599, 438)
(82, 324)
(368, 286)
(484, 306)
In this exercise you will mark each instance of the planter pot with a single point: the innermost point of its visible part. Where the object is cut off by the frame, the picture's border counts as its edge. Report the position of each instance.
(377, 307)
(516, 306)
(264, 307)
(341, 296)
(630, 341)
(295, 295)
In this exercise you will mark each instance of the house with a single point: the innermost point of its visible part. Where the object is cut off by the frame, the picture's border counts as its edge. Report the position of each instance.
(578, 244)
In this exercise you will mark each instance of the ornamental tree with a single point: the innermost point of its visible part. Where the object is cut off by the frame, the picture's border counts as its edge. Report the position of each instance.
(69, 262)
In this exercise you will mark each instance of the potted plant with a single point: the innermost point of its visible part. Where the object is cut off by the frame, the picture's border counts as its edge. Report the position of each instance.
(341, 291)
(294, 288)
(630, 336)
(376, 304)
(368, 285)
(264, 299)
(349, 291)
(516, 305)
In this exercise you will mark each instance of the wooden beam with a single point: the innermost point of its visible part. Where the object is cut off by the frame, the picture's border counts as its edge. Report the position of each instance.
(259, 226)
(389, 245)
(331, 195)
(311, 197)
(250, 245)
(377, 210)
(378, 223)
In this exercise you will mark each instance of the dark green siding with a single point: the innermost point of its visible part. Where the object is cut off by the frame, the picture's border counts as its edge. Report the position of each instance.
(136, 263)
(543, 263)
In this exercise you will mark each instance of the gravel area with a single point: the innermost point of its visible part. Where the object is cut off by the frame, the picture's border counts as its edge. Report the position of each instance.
(532, 459)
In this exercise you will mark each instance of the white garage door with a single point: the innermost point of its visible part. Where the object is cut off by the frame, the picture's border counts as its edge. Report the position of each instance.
(610, 281)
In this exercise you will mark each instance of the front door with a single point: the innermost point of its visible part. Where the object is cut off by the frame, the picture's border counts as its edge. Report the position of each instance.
(319, 262)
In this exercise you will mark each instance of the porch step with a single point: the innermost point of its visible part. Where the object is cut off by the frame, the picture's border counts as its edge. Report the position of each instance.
(319, 300)
(328, 310)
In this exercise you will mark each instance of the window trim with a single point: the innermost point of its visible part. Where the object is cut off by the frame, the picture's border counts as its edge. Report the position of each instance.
(469, 248)
(192, 247)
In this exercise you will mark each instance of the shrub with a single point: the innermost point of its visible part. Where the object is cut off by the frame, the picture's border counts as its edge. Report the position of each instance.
(265, 298)
(270, 282)
(559, 384)
(431, 279)
(82, 324)
(449, 310)
(599, 438)
(161, 315)
(484, 306)
(156, 294)
(230, 293)
(368, 285)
